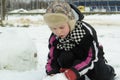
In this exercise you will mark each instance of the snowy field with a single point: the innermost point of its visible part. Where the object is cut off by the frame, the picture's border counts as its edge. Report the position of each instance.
(107, 27)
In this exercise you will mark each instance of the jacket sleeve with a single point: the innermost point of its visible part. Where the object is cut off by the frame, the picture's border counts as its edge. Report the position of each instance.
(52, 66)
(83, 66)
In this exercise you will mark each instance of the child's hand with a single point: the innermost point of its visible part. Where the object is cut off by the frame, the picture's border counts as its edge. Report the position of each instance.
(63, 69)
(70, 74)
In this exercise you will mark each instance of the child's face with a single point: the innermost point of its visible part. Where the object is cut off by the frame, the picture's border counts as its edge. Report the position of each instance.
(61, 31)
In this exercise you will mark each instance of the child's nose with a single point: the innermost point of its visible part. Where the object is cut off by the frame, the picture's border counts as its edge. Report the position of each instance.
(59, 31)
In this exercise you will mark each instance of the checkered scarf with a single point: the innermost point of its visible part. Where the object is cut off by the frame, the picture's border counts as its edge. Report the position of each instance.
(73, 38)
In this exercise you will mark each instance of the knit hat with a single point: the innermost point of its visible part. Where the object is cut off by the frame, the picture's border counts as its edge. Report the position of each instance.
(59, 12)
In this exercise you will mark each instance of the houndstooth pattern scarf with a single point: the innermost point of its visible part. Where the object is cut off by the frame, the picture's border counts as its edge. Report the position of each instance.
(73, 38)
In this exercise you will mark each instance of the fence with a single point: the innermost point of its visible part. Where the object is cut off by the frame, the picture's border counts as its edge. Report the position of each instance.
(99, 5)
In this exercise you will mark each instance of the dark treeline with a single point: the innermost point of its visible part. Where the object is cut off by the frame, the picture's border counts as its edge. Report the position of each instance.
(26, 5)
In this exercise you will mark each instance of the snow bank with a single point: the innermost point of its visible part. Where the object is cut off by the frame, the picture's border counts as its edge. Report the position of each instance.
(33, 20)
(23, 20)
(108, 20)
(37, 11)
(26, 11)
(18, 11)
(17, 50)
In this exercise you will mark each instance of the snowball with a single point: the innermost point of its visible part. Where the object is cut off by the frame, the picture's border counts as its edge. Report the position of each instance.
(59, 76)
(17, 50)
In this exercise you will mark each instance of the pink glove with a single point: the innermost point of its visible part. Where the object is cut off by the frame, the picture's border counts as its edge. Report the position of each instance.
(70, 74)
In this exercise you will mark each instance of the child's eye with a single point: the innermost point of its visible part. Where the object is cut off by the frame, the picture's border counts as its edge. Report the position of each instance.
(62, 27)
(53, 28)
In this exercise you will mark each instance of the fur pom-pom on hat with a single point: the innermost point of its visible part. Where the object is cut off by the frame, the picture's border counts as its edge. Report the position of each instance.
(59, 12)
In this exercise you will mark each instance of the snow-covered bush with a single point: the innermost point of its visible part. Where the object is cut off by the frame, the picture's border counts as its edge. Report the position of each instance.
(17, 50)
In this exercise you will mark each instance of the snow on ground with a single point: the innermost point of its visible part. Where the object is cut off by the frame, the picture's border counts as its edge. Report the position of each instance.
(108, 35)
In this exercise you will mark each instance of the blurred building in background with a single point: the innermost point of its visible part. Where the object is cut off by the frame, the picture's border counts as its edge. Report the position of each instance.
(99, 5)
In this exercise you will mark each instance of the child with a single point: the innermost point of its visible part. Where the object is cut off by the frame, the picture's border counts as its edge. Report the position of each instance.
(73, 44)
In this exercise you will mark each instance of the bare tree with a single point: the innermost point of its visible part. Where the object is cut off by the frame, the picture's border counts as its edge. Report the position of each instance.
(3, 10)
